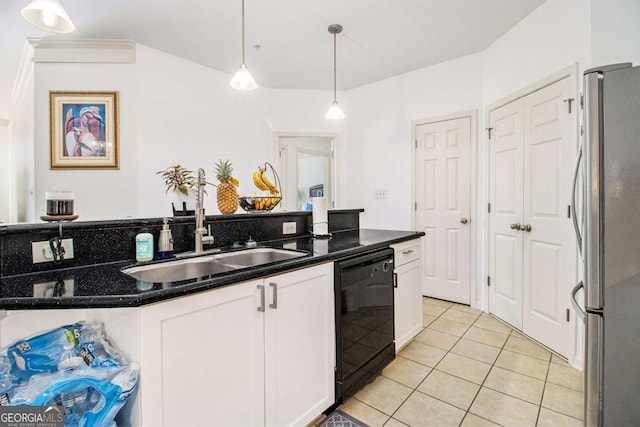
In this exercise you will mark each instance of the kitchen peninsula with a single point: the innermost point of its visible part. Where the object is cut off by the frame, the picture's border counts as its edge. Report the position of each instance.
(202, 340)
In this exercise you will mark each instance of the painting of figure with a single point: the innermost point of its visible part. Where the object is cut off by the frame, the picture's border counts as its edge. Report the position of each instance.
(84, 130)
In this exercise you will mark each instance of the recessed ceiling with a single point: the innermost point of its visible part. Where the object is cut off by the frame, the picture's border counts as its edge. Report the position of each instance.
(381, 38)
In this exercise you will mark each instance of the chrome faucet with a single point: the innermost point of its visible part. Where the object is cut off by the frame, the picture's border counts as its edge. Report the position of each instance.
(203, 235)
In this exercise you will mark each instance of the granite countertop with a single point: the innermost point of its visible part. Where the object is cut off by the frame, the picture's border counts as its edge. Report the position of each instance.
(104, 285)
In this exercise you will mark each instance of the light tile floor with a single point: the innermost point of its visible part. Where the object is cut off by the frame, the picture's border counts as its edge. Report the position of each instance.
(468, 369)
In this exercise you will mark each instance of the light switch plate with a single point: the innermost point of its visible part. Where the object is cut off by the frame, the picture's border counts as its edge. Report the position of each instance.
(41, 251)
(380, 194)
(288, 228)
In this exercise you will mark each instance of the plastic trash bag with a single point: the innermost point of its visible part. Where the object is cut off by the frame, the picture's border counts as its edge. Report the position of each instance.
(73, 366)
(91, 397)
(42, 353)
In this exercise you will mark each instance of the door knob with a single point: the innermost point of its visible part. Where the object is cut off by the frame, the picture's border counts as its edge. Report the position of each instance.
(527, 228)
(464, 220)
(516, 226)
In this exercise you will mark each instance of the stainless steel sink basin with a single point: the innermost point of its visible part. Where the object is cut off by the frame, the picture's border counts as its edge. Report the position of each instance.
(205, 266)
(258, 256)
(174, 271)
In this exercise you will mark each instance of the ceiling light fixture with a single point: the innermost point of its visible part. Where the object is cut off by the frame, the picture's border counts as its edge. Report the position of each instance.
(243, 80)
(335, 112)
(48, 15)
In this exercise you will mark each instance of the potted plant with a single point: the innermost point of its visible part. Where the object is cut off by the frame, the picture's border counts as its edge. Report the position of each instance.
(180, 181)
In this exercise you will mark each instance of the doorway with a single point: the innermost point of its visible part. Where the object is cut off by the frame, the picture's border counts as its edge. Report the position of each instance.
(307, 168)
(444, 172)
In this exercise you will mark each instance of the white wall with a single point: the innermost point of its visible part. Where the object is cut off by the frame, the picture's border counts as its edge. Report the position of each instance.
(188, 114)
(615, 31)
(99, 193)
(551, 38)
(22, 143)
(5, 170)
(171, 111)
(378, 148)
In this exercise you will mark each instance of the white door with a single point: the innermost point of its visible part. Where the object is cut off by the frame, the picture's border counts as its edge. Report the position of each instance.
(443, 193)
(549, 248)
(505, 217)
(531, 242)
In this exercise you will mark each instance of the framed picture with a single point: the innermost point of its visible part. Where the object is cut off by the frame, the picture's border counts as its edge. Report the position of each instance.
(84, 130)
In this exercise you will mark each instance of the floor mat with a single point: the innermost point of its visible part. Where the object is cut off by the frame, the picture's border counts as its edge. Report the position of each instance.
(340, 419)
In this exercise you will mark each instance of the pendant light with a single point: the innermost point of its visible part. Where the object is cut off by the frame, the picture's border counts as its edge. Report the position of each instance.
(335, 112)
(48, 15)
(243, 80)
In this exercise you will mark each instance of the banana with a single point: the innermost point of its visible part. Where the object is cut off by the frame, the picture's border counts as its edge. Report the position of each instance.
(257, 179)
(272, 188)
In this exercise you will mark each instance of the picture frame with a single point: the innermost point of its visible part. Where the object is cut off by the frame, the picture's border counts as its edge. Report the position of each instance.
(84, 130)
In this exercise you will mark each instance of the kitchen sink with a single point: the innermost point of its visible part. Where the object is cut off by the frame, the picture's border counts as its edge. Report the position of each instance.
(183, 269)
(258, 256)
(204, 266)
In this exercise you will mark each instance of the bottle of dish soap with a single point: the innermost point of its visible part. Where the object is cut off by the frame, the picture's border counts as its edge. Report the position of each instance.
(165, 242)
(144, 246)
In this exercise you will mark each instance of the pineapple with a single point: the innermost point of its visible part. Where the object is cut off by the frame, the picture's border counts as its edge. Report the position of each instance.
(226, 193)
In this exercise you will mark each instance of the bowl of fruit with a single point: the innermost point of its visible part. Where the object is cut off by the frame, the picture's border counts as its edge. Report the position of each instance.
(259, 203)
(270, 192)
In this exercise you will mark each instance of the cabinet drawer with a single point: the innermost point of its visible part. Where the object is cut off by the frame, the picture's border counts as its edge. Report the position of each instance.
(406, 252)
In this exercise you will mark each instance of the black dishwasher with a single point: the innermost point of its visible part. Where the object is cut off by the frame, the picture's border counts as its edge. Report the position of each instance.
(364, 319)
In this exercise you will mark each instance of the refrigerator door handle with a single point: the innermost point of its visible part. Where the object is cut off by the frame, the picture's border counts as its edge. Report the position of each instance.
(574, 188)
(574, 291)
(592, 233)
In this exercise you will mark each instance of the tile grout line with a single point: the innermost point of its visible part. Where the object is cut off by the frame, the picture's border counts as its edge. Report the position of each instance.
(485, 380)
(546, 379)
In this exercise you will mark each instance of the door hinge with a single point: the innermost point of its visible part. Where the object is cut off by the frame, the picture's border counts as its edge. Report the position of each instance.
(567, 314)
(569, 211)
(581, 101)
(489, 208)
(415, 206)
(569, 100)
(488, 280)
(489, 132)
(416, 142)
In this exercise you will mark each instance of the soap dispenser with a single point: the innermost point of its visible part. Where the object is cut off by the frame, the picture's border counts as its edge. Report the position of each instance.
(165, 242)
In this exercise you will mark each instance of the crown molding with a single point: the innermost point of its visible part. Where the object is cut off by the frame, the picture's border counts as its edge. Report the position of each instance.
(113, 51)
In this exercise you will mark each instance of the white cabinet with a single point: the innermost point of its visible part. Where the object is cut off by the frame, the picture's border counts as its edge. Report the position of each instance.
(203, 359)
(216, 358)
(299, 346)
(408, 292)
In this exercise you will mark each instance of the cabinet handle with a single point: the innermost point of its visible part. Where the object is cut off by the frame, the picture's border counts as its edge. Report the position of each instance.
(516, 226)
(275, 295)
(261, 307)
(527, 228)
(410, 251)
(395, 280)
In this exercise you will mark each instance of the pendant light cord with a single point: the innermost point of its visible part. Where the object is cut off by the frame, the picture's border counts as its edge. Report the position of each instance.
(242, 32)
(335, 97)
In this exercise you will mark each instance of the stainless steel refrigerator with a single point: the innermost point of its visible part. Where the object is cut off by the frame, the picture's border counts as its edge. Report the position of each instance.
(609, 235)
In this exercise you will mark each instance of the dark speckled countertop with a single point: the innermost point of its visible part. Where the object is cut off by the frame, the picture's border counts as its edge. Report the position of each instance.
(104, 285)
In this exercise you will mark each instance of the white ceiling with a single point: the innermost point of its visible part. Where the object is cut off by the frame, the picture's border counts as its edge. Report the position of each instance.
(381, 38)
